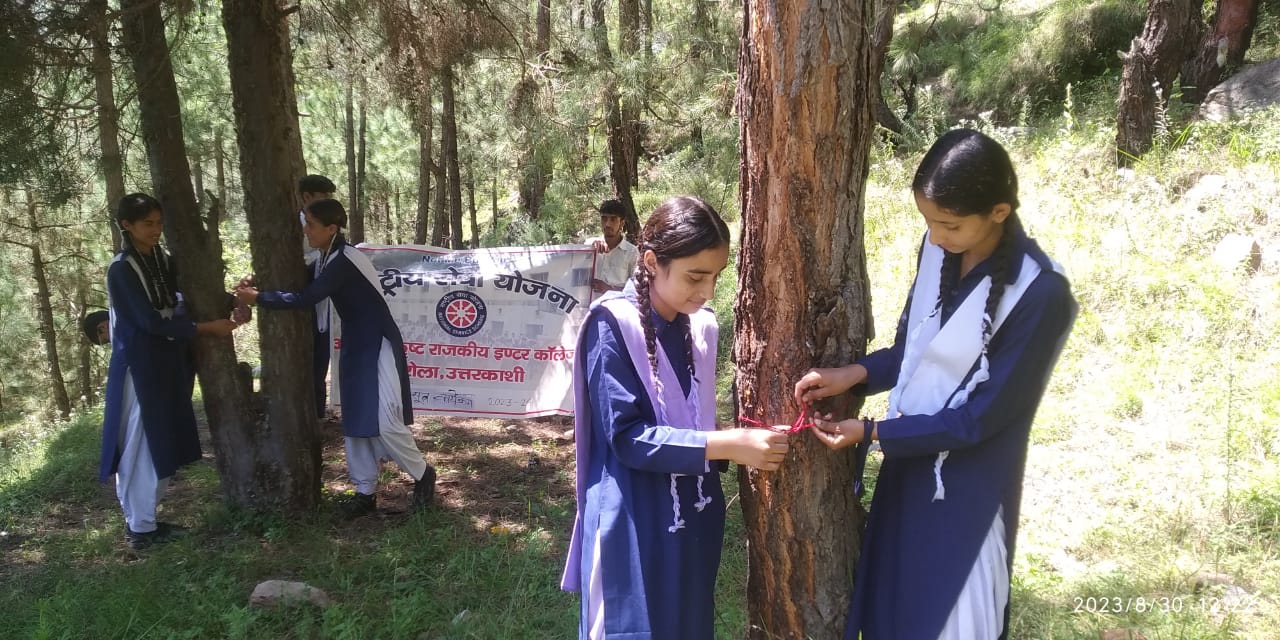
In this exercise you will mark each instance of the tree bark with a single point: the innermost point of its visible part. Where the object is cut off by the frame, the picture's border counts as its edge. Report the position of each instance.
(83, 346)
(805, 96)
(349, 134)
(629, 36)
(44, 310)
(1155, 56)
(440, 224)
(542, 20)
(280, 469)
(619, 171)
(108, 115)
(450, 124)
(424, 166)
(1223, 47)
(471, 197)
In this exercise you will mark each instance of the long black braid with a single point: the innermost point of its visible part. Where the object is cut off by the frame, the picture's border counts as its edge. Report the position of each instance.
(643, 278)
(1002, 265)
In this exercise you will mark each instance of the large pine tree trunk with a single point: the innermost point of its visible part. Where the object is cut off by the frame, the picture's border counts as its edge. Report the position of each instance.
(1154, 57)
(1222, 48)
(615, 133)
(359, 199)
(450, 153)
(281, 467)
(440, 224)
(803, 297)
(108, 115)
(536, 164)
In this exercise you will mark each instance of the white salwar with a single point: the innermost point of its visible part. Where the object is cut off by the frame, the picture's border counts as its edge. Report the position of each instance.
(137, 486)
(394, 440)
(979, 610)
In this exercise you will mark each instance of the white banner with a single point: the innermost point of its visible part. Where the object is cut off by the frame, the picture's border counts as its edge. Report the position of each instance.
(487, 332)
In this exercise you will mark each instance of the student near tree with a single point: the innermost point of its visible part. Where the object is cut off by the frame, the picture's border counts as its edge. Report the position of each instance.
(149, 425)
(983, 327)
(650, 520)
(372, 371)
(312, 188)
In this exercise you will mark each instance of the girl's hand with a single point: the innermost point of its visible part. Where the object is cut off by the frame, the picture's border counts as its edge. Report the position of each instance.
(838, 435)
(246, 295)
(219, 328)
(823, 383)
(759, 448)
(241, 314)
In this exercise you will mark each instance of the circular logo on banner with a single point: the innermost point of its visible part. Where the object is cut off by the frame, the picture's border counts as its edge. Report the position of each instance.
(460, 313)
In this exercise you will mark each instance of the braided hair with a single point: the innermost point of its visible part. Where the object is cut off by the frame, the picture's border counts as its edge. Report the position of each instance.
(157, 268)
(967, 173)
(682, 226)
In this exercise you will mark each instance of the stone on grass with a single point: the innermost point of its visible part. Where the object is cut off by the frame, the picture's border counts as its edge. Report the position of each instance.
(275, 593)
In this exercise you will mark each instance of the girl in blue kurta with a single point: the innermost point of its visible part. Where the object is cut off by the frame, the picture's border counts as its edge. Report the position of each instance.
(984, 323)
(372, 372)
(148, 425)
(650, 522)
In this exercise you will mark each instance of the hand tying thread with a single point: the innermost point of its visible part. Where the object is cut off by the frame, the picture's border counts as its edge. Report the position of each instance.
(802, 422)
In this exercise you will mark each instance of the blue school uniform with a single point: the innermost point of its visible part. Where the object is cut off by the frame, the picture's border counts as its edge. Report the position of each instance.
(349, 282)
(153, 347)
(653, 537)
(917, 551)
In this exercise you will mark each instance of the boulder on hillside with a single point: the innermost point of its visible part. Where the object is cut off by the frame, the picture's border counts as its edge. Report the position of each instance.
(1257, 87)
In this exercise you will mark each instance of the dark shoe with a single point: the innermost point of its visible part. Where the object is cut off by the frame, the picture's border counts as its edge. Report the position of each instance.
(424, 490)
(164, 532)
(360, 504)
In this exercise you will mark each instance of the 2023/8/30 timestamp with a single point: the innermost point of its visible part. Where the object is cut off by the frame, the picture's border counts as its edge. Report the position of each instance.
(1163, 604)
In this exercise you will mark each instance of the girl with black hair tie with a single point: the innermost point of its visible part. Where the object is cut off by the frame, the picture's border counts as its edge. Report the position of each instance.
(646, 543)
(373, 374)
(983, 326)
(148, 425)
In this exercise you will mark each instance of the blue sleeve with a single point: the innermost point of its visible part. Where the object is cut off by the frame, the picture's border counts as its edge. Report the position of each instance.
(618, 408)
(1021, 357)
(334, 276)
(130, 302)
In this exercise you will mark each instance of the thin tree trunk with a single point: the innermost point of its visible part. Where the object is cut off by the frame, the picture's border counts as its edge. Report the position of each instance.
(619, 171)
(804, 295)
(283, 469)
(44, 310)
(359, 200)
(542, 19)
(450, 141)
(440, 224)
(471, 197)
(108, 116)
(629, 49)
(424, 116)
(83, 346)
(1222, 47)
(220, 165)
(393, 237)
(349, 133)
(493, 197)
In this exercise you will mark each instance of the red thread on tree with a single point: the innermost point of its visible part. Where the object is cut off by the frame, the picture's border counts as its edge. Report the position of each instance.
(802, 422)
